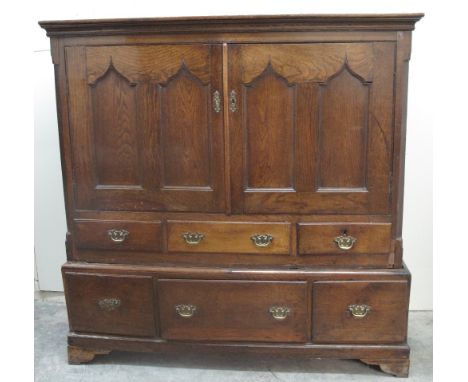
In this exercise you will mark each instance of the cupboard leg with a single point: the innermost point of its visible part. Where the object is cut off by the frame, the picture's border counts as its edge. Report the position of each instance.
(77, 355)
(398, 367)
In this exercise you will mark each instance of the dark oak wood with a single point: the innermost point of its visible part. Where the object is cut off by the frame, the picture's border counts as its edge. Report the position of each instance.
(403, 54)
(367, 261)
(230, 242)
(313, 127)
(233, 310)
(77, 355)
(144, 135)
(142, 236)
(232, 24)
(155, 145)
(226, 311)
(282, 273)
(396, 353)
(386, 321)
(318, 238)
(115, 304)
(342, 136)
(396, 367)
(229, 237)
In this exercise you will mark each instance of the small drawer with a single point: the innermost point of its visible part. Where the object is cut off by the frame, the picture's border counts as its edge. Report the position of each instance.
(360, 311)
(118, 235)
(229, 237)
(110, 304)
(337, 238)
(233, 310)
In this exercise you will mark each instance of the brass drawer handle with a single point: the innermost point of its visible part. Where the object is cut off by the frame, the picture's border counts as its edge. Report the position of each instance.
(262, 240)
(109, 304)
(345, 242)
(359, 311)
(279, 312)
(192, 238)
(216, 101)
(118, 235)
(185, 310)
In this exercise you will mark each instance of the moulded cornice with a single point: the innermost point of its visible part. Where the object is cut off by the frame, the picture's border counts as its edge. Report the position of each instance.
(232, 24)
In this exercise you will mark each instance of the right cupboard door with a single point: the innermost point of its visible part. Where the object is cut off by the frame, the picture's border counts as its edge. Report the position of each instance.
(311, 127)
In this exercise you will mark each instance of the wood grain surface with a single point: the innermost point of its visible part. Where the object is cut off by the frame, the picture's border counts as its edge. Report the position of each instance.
(313, 149)
(233, 310)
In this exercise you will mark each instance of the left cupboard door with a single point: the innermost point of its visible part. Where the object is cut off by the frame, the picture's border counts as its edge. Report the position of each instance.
(146, 127)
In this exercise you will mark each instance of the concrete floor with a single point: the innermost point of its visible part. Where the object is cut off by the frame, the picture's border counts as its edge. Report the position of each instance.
(51, 359)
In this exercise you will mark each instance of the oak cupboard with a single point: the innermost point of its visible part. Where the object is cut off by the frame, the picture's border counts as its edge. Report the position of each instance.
(235, 184)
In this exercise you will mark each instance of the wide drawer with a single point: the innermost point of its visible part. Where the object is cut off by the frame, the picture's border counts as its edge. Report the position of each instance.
(360, 311)
(118, 235)
(233, 310)
(229, 237)
(110, 304)
(337, 238)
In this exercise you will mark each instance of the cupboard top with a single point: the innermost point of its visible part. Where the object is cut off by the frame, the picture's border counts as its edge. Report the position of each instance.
(232, 24)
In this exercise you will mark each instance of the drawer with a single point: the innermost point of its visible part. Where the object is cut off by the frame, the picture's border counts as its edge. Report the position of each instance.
(233, 310)
(336, 238)
(118, 235)
(110, 304)
(360, 311)
(229, 237)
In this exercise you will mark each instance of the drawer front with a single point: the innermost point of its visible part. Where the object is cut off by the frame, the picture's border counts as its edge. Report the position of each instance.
(110, 304)
(360, 311)
(229, 237)
(233, 310)
(118, 235)
(337, 238)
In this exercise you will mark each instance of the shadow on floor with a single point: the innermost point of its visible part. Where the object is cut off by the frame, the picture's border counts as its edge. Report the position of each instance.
(51, 365)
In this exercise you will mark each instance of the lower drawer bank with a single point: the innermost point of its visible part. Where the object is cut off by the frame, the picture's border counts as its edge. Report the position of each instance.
(116, 307)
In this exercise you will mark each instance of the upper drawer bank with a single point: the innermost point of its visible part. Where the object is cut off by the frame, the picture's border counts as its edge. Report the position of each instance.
(232, 241)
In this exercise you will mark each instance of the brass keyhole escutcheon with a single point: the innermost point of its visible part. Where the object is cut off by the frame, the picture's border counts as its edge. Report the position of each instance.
(233, 101)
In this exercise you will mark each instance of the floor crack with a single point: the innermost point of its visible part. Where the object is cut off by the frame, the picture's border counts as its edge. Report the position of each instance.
(274, 375)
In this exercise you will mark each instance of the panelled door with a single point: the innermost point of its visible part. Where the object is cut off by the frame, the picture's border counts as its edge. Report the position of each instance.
(146, 132)
(311, 127)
